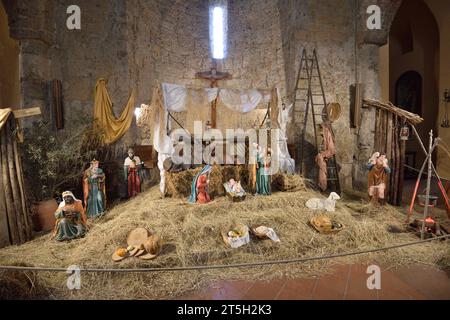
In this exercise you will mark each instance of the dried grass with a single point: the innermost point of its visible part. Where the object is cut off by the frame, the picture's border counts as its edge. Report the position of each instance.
(192, 237)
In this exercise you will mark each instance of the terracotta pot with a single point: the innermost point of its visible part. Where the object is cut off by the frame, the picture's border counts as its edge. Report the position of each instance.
(44, 215)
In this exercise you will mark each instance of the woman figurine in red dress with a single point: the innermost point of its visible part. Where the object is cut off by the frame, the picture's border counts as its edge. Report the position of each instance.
(134, 182)
(202, 190)
(199, 186)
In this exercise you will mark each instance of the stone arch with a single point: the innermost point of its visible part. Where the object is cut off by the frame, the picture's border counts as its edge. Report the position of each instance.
(414, 47)
(408, 92)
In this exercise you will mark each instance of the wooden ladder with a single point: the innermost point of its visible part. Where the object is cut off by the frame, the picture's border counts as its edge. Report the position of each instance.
(309, 91)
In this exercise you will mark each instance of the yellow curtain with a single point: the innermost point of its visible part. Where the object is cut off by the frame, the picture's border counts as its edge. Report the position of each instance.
(114, 128)
(4, 115)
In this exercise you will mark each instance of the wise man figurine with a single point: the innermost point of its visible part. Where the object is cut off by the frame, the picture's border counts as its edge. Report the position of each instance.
(70, 218)
(377, 178)
(94, 190)
(132, 168)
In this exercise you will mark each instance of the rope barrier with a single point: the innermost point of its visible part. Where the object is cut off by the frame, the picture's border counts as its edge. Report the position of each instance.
(225, 266)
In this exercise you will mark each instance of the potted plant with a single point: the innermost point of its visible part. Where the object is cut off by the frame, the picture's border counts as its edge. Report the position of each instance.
(53, 162)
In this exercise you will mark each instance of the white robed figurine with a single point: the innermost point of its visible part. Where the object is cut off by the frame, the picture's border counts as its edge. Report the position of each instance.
(287, 164)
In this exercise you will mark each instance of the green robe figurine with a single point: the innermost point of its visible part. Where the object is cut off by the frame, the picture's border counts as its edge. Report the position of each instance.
(262, 175)
(94, 191)
(70, 219)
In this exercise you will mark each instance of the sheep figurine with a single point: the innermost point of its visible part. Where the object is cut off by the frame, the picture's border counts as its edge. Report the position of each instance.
(323, 204)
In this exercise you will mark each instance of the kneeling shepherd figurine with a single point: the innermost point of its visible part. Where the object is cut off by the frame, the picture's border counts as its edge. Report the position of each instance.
(70, 218)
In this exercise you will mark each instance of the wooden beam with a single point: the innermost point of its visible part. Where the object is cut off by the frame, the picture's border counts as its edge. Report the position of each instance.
(28, 112)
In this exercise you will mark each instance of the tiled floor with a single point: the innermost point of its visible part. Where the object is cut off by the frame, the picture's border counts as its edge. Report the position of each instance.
(348, 282)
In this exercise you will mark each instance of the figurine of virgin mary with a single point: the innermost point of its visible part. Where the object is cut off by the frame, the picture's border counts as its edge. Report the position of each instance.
(199, 187)
(94, 190)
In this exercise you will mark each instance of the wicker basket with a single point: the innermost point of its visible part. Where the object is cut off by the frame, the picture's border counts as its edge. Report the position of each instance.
(325, 225)
(236, 242)
(259, 235)
(235, 198)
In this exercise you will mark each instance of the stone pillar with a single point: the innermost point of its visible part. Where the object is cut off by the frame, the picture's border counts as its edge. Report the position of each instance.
(30, 23)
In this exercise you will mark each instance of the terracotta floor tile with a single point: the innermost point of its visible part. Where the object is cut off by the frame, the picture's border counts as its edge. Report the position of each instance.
(357, 285)
(297, 289)
(230, 290)
(332, 287)
(347, 282)
(393, 288)
(264, 290)
(433, 284)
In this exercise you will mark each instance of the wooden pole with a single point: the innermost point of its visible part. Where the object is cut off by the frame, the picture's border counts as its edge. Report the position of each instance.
(4, 229)
(396, 172)
(390, 153)
(12, 221)
(23, 198)
(427, 198)
(17, 202)
(377, 130)
(402, 169)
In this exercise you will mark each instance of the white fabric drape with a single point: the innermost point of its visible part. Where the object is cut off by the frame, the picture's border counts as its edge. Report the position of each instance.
(240, 100)
(211, 93)
(175, 98)
(287, 164)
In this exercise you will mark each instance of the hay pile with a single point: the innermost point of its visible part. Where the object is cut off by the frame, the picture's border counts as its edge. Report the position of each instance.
(288, 182)
(191, 234)
(15, 285)
(178, 184)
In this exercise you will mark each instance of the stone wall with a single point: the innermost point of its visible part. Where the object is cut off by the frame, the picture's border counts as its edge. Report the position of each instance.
(254, 44)
(346, 55)
(136, 43)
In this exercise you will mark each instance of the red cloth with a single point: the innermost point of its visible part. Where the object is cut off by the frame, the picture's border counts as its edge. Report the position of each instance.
(322, 157)
(202, 195)
(134, 182)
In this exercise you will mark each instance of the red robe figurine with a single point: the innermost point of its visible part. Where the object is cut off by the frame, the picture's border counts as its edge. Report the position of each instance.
(134, 182)
(202, 193)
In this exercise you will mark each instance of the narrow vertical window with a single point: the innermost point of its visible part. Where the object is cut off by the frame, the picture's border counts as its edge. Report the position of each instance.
(218, 29)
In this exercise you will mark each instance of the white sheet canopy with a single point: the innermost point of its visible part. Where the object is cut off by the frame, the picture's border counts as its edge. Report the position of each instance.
(175, 97)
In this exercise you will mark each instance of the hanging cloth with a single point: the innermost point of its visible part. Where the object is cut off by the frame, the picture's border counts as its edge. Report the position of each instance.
(4, 115)
(114, 128)
(242, 101)
(322, 157)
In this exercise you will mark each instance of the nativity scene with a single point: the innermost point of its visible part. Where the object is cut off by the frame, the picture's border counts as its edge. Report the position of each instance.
(223, 134)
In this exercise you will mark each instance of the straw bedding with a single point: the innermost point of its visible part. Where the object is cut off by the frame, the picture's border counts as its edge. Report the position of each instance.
(191, 235)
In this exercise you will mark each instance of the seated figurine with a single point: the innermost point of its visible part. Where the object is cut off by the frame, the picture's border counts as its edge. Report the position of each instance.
(70, 218)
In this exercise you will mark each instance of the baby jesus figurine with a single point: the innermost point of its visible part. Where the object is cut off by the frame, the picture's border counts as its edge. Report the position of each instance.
(377, 178)
(236, 187)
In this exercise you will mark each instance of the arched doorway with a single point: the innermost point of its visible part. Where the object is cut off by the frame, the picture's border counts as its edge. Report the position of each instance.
(414, 72)
(408, 92)
(9, 65)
